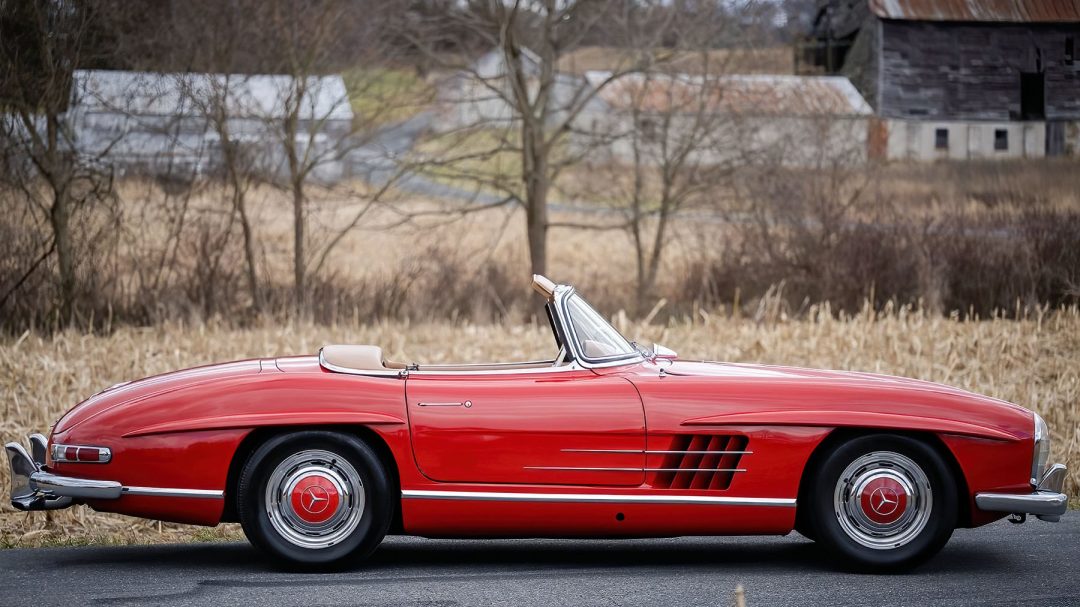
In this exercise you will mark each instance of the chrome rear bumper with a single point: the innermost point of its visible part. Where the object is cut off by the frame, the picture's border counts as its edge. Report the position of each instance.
(1047, 501)
(33, 488)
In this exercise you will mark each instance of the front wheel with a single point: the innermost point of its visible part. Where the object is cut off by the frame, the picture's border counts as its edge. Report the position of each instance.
(883, 502)
(314, 498)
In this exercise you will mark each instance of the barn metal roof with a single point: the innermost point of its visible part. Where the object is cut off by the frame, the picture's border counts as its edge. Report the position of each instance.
(774, 95)
(1013, 11)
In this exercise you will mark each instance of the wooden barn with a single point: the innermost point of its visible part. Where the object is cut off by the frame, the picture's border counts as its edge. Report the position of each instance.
(957, 79)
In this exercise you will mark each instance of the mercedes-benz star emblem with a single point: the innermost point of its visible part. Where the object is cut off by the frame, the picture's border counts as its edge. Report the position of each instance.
(315, 499)
(884, 501)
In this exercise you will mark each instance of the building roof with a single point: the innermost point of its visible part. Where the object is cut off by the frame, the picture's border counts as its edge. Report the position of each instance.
(767, 60)
(1013, 11)
(259, 96)
(773, 95)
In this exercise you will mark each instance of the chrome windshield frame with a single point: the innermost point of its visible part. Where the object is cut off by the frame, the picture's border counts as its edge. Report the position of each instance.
(563, 293)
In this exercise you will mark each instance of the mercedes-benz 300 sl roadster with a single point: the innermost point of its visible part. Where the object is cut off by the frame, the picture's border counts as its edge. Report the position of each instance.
(319, 457)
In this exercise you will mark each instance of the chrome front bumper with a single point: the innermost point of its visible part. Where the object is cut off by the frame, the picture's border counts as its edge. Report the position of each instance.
(33, 488)
(1047, 501)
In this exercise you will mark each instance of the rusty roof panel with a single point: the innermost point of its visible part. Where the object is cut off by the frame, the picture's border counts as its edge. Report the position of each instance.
(1009, 11)
(773, 95)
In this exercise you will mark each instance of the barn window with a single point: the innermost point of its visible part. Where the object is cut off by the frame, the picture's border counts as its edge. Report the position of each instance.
(941, 139)
(1001, 139)
(1032, 96)
(1070, 50)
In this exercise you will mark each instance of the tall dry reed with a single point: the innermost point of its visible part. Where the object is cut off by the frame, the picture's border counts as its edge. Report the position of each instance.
(1033, 362)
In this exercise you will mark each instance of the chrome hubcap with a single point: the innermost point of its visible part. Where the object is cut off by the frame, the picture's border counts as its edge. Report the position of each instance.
(314, 499)
(883, 500)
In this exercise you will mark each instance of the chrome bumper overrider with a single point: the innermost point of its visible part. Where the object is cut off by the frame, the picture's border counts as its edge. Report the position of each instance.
(1047, 501)
(32, 488)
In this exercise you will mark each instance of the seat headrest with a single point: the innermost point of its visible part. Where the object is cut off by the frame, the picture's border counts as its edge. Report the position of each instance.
(357, 358)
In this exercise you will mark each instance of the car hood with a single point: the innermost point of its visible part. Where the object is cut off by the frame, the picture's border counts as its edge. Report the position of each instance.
(781, 373)
(129, 392)
(690, 394)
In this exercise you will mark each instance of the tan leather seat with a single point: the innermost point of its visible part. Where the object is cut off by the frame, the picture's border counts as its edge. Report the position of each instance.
(358, 358)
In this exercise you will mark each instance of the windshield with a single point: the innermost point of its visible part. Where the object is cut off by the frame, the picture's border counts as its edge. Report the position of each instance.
(595, 338)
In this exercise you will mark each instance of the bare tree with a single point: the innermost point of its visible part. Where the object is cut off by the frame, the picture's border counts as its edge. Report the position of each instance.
(524, 92)
(808, 189)
(219, 38)
(312, 38)
(220, 103)
(41, 45)
(672, 146)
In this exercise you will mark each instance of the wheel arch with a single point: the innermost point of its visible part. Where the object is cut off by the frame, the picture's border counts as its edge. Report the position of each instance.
(260, 435)
(841, 435)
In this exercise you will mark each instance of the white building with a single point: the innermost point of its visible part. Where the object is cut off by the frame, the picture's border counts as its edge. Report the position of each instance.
(478, 95)
(151, 122)
(767, 119)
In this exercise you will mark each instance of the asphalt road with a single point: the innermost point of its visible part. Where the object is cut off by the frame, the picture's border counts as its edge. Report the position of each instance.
(1001, 564)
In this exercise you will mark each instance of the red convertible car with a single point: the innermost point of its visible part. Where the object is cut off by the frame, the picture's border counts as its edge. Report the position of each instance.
(319, 457)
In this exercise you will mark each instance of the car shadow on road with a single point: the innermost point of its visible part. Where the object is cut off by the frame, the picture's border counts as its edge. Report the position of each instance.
(750, 554)
(418, 556)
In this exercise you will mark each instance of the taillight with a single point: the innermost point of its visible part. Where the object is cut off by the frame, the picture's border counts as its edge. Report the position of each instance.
(80, 454)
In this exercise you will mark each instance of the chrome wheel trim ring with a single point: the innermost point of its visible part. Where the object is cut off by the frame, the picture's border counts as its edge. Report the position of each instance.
(898, 471)
(331, 470)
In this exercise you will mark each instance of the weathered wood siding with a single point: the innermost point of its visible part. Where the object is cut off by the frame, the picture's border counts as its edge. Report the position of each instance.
(971, 71)
(861, 63)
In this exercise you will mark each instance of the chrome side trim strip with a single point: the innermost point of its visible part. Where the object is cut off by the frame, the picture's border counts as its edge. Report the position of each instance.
(168, 492)
(591, 469)
(602, 450)
(662, 452)
(583, 469)
(695, 470)
(491, 496)
(656, 451)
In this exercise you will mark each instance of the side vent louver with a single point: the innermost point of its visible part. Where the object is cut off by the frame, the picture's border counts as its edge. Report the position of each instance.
(701, 461)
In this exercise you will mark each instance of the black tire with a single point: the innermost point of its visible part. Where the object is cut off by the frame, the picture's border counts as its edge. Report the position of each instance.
(868, 520)
(803, 526)
(340, 474)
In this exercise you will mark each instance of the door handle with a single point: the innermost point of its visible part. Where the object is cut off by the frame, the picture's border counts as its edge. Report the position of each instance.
(467, 404)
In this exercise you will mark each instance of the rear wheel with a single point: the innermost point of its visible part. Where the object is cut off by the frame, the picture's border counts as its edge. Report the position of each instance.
(314, 498)
(882, 502)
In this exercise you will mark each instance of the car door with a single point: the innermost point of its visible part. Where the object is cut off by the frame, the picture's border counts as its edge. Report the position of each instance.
(559, 427)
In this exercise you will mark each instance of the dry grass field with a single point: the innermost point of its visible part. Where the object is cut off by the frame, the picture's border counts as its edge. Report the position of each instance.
(1033, 362)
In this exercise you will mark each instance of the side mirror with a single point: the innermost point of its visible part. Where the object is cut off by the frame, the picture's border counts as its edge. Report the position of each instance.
(662, 352)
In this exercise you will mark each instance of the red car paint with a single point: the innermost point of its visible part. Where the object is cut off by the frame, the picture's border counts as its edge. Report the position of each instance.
(185, 430)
